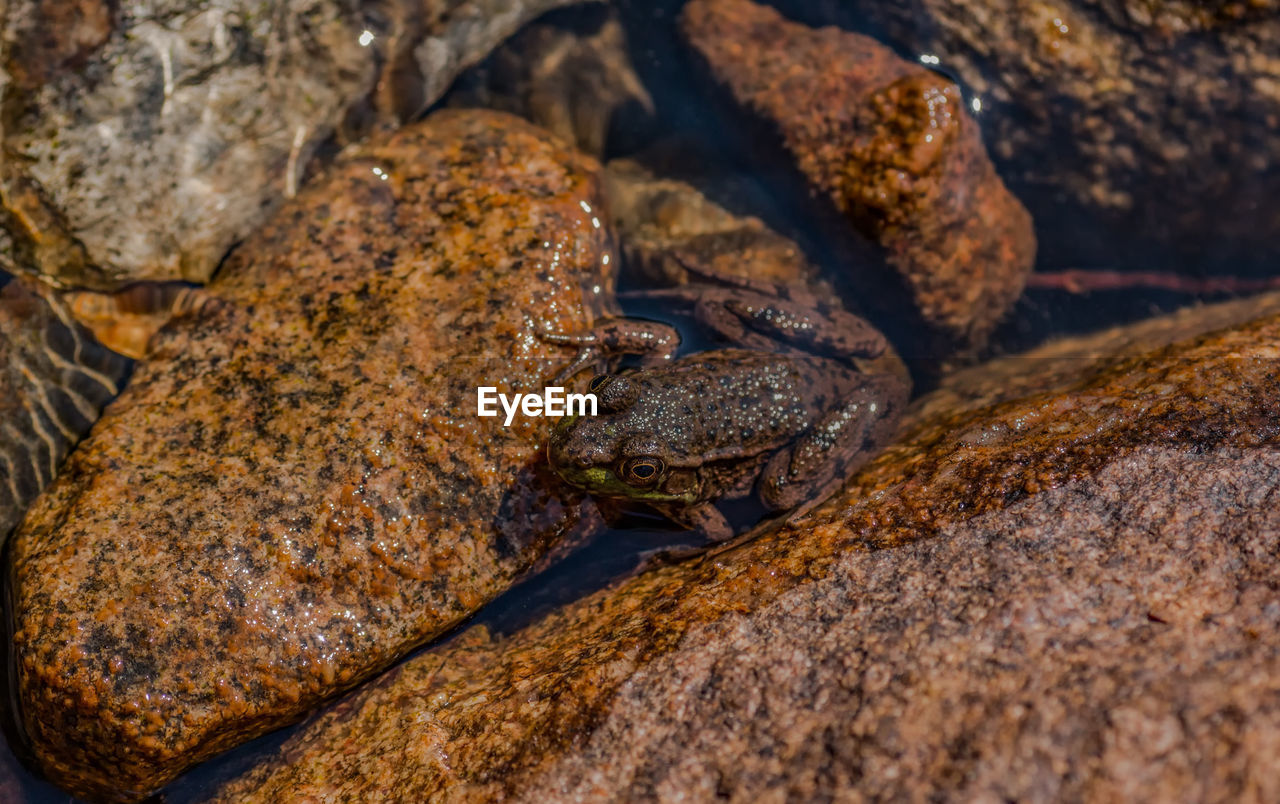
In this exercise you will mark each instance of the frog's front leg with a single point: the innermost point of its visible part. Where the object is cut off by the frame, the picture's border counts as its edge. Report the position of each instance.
(799, 477)
(611, 337)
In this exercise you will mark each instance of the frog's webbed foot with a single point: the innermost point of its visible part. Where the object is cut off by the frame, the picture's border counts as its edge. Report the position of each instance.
(655, 343)
(801, 476)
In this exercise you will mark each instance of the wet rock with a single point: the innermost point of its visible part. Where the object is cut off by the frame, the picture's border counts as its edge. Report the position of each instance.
(666, 226)
(1136, 131)
(55, 379)
(571, 75)
(125, 320)
(1060, 593)
(889, 144)
(143, 145)
(295, 488)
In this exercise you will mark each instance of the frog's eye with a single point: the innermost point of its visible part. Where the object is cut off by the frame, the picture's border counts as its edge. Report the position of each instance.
(618, 394)
(597, 382)
(642, 471)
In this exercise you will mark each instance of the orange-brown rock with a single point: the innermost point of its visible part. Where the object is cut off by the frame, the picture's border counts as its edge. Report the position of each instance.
(126, 320)
(890, 145)
(295, 488)
(1063, 588)
(1135, 131)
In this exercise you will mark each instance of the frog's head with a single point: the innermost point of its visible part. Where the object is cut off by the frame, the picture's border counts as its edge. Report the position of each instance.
(606, 455)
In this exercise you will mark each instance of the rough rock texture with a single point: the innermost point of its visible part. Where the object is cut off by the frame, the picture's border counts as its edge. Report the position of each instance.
(54, 380)
(1066, 593)
(665, 226)
(1160, 119)
(572, 76)
(295, 488)
(890, 145)
(143, 144)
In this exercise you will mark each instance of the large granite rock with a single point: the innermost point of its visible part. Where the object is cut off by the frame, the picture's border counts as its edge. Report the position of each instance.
(1136, 131)
(889, 145)
(54, 380)
(295, 489)
(1059, 589)
(140, 140)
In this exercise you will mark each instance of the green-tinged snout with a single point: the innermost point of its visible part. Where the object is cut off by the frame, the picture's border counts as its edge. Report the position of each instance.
(587, 461)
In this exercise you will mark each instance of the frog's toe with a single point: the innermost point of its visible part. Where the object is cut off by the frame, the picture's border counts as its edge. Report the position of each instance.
(782, 488)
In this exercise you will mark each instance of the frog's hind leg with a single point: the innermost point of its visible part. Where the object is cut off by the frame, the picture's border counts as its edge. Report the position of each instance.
(764, 322)
(828, 452)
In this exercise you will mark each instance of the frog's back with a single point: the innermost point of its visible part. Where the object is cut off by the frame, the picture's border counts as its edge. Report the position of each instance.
(730, 403)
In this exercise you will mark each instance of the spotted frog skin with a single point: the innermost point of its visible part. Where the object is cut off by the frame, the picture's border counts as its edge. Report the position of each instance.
(787, 413)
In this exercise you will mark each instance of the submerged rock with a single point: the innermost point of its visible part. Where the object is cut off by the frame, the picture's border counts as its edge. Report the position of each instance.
(295, 489)
(572, 76)
(1064, 589)
(667, 226)
(1132, 129)
(142, 143)
(890, 145)
(54, 380)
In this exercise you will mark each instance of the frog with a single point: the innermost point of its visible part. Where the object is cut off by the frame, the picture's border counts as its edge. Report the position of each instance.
(799, 398)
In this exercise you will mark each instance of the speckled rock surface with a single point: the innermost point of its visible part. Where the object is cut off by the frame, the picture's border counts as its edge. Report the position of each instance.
(1160, 120)
(295, 488)
(572, 75)
(54, 380)
(890, 145)
(190, 121)
(1061, 593)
